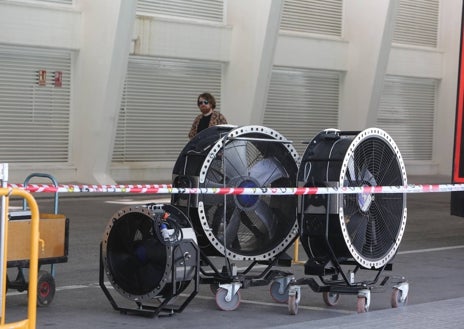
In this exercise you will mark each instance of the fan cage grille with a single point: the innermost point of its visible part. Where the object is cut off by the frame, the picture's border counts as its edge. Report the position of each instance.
(373, 224)
(257, 157)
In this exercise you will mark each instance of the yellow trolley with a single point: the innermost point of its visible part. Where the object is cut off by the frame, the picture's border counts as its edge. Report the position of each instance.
(53, 247)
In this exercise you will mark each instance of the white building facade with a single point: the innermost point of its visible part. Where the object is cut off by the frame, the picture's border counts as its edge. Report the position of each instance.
(104, 91)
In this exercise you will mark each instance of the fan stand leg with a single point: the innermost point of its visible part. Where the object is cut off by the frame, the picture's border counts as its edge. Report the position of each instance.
(231, 288)
(294, 296)
(400, 294)
(364, 300)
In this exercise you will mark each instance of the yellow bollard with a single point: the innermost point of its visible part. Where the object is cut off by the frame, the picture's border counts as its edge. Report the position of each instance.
(30, 322)
(296, 247)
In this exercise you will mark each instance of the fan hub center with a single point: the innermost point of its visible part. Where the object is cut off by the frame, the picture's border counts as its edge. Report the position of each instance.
(247, 200)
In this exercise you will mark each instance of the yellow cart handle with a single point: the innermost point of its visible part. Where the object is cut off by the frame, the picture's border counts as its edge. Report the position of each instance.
(30, 322)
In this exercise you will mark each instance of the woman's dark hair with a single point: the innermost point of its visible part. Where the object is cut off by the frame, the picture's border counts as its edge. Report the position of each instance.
(209, 98)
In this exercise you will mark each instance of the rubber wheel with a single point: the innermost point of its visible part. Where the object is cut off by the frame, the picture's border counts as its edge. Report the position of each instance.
(330, 298)
(396, 298)
(275, 293)
(45, 288)
(225, 305)
(361, 305)
(292, 305)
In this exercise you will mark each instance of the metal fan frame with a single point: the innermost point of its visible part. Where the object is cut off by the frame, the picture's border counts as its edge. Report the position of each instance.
(218, 147)
(362, 136)
(166, 278)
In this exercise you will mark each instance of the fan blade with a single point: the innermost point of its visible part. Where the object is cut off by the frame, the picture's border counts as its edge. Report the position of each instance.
(351, 205)
(267, 171)
(350, 174)
(265, 214)
(357, 227)
(258, 235)
(367, 177)
(217, 224)
(359, 176)
(236, 159)
(213, 184)
(232, 227)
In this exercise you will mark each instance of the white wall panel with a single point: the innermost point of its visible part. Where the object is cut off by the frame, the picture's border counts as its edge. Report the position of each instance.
(39, 26)
(413, 62)
(162, 37)
(311, 52)
(61, 2)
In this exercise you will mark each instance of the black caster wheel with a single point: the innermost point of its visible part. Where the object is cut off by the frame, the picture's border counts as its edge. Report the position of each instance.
(45, 288)
(398, 299)
(276, 294)
(223, 303)
(330, 298)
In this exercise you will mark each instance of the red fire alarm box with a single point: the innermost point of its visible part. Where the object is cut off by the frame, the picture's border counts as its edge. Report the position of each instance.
(42, 77)
(58, 78)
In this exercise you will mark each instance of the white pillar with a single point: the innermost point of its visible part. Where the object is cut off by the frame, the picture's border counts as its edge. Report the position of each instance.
(246, 78)
(369, 29)
(101, 66)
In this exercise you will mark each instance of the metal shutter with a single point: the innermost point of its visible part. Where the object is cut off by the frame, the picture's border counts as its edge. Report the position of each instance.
(417, 23)
(406, 112)
(35, 118)
(302, 102)
(313, 16)
(207, 10)
(159, 105)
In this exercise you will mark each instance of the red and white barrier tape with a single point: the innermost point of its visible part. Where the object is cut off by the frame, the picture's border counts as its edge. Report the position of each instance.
(168, 189)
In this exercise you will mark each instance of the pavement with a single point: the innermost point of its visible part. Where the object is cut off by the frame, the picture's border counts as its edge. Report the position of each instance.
(430, 257)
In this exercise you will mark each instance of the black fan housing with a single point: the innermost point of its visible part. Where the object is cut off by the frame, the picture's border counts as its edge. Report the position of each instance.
(364, 227)
(138, 262)
(243, 227)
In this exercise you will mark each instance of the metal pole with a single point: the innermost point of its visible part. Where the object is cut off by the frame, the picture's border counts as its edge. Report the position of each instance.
(30, 322)
(3, 235)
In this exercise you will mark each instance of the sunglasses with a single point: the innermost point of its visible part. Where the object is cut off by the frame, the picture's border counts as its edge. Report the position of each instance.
(203, 102)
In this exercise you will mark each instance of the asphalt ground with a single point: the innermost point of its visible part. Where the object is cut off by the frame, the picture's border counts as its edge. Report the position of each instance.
(430, 257)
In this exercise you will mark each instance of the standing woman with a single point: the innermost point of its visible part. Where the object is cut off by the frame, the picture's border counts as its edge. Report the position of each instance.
(208, 117)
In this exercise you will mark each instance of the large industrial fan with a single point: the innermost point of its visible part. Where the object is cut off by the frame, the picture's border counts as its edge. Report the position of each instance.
(149, 254)
(239, 227)
(363, 230)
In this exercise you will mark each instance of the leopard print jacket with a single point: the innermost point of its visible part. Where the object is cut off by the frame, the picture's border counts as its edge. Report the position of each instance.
(216, 119)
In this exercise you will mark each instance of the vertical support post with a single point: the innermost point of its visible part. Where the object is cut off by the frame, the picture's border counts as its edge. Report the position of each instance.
(296, 252)
(3, 235)
(30, 322)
